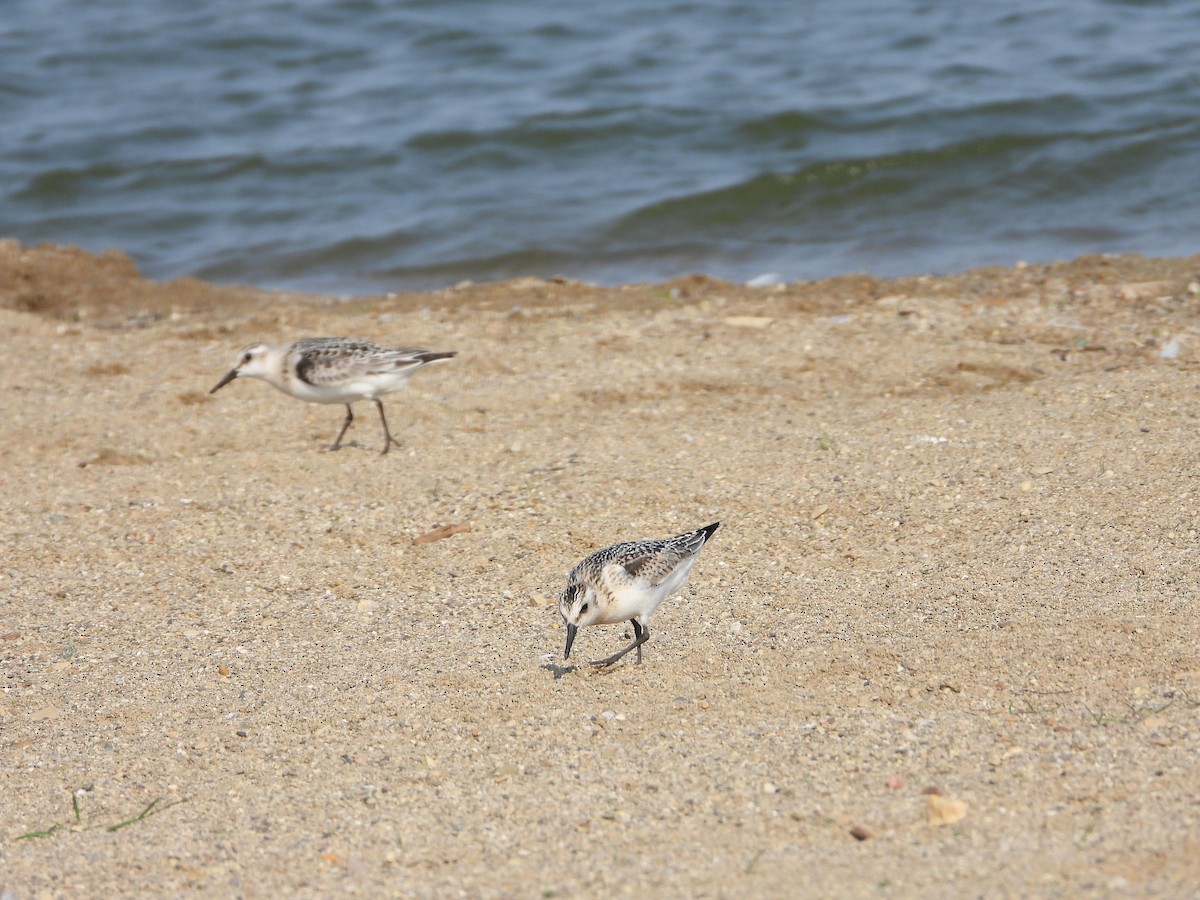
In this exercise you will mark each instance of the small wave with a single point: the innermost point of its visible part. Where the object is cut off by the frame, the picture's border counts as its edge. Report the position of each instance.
(782, 196)
(59, 185)
(564, 131)
(63, 184)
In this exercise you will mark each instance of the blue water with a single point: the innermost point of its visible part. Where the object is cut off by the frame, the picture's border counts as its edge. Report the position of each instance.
(355, 146)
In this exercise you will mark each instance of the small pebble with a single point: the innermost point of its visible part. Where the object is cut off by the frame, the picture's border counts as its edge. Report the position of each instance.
(945, 810)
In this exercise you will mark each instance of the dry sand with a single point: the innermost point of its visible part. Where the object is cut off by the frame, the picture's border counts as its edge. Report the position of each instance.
(960, 535)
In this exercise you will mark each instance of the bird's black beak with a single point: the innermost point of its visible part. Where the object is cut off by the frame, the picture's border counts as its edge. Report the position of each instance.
(571, 629)
(229, 376)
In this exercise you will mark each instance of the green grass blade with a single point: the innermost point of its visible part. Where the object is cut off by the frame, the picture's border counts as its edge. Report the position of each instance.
(145, 812)
(30, 835)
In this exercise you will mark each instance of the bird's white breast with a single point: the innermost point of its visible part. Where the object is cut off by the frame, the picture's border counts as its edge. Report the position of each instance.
(363, 387)
(635, 597)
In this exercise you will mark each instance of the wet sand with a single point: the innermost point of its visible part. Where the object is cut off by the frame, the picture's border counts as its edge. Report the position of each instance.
(957, 561)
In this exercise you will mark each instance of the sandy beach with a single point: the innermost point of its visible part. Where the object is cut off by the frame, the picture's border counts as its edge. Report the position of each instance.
(946, 642)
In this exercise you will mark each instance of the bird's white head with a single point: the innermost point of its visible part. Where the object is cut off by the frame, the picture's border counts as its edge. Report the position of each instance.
(579, 606)
(253, 361)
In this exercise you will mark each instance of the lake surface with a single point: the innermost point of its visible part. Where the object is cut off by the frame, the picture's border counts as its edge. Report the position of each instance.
(356, 146)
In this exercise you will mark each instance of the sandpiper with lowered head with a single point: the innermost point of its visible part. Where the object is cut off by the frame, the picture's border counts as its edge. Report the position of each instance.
(334, 370)
(627, 582)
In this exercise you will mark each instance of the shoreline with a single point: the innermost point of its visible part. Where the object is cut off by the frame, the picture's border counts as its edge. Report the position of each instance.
(67, 282)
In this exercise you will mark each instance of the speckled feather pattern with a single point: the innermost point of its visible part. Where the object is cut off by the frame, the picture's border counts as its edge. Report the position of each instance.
(647, 562)
(329, 361)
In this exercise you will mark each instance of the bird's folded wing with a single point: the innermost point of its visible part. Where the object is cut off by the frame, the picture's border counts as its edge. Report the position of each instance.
(318, 367)
(392, 361)
(654, 568)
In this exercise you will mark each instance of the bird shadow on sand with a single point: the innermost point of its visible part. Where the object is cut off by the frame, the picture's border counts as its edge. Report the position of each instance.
(559, 671)
(596, 668)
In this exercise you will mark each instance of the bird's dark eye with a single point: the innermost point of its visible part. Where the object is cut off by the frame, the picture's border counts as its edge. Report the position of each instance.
(583, 608)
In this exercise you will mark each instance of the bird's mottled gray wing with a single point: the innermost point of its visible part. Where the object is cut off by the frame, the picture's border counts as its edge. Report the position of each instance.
(654, 561)
(654, 569)
(636, 564)
(321, 361)
(649, 562)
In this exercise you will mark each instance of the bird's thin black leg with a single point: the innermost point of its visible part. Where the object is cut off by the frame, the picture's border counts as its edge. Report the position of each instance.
(640, 636)
(337, 444)
(388, 440)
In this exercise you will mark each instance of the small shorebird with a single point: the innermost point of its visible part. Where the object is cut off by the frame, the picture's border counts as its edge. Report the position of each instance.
(627, 582)
(333, 370)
